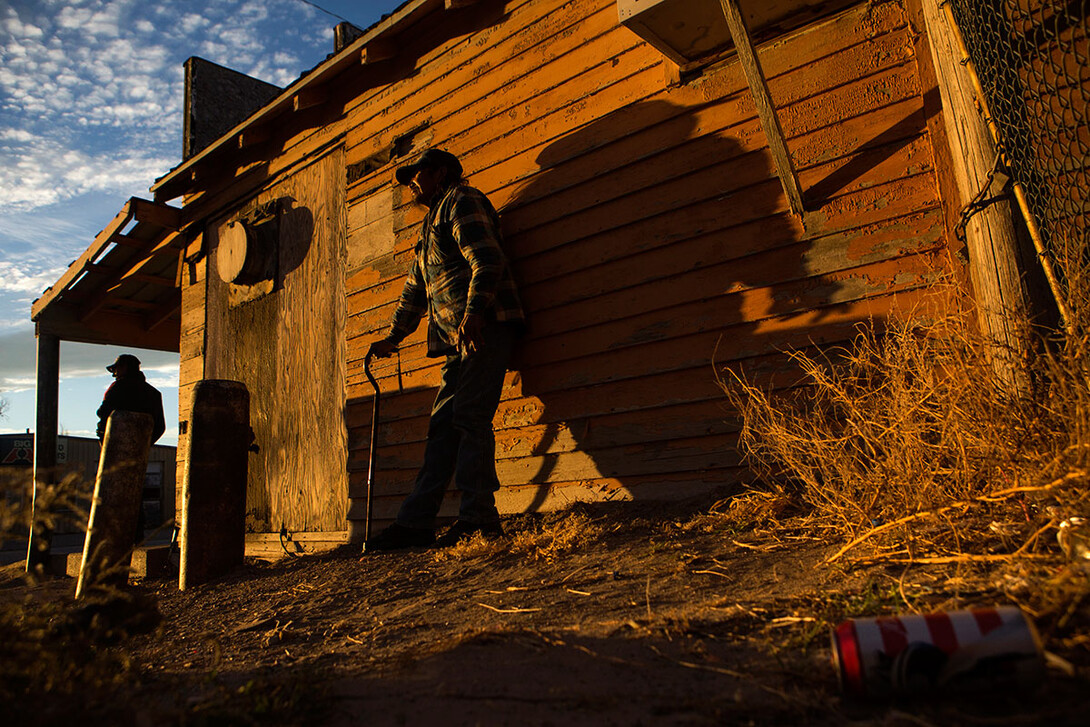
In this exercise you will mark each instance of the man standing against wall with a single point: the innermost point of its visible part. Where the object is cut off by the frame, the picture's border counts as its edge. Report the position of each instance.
(461, 279)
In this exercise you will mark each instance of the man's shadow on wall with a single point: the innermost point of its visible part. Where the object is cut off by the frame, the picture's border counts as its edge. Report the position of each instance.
(643, 238)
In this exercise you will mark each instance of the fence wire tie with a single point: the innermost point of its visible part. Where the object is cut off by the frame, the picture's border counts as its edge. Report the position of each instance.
(980, 200)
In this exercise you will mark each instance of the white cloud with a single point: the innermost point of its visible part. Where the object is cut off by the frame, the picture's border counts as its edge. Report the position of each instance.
(39, 172)
(15, 279)
(50, 233)
(253, 11)
(18, 29)
(16, 135)
(7, 325)
(191, 23)
(163, 378)
(91, 90)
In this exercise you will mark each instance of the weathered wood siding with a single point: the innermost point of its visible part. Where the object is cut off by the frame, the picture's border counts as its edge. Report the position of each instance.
(288, 348)
(647, 229)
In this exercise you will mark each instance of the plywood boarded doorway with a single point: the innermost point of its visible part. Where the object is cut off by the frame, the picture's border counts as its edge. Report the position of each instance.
(288, 347)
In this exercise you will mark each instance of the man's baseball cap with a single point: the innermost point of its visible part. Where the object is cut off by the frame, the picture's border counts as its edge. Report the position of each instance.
(430, 159)
(125, 358)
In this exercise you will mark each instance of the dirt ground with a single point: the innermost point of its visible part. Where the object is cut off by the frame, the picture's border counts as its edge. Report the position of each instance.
(615, 615)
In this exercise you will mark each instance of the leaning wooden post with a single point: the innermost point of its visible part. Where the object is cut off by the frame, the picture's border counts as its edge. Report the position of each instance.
(213, 528)
(762, 99)
(990, 235)
(115, 507)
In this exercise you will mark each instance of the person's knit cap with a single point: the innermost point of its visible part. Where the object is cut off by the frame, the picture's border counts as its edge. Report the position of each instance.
(430, 159)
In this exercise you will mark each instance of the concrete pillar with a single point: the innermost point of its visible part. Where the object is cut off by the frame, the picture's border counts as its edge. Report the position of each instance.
(115, 507)
(45, 447)
(213, 528)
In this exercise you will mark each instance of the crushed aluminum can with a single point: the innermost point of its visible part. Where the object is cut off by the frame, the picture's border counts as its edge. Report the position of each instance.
(974, 650)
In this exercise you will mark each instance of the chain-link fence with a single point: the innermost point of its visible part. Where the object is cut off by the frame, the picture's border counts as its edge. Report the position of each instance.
(1033, 61)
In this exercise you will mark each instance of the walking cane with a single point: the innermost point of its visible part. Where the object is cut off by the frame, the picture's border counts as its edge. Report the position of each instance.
(371, 448)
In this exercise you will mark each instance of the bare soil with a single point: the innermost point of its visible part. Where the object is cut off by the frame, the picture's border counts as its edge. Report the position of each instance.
(622, 614)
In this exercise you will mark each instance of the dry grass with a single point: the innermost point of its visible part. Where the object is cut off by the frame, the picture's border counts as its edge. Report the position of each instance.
(909, 439)
(750, 511)
(541, 539)
(909, 450)
(58, 657)
(60, 505)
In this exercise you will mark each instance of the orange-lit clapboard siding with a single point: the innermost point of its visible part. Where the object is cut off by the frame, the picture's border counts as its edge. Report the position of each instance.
(648, 232)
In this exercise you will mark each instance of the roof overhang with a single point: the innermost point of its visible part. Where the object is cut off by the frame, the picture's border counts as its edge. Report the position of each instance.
(696, 31)
(124, 289)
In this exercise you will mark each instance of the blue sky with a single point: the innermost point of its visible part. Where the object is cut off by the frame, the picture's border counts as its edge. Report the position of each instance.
(90, 115)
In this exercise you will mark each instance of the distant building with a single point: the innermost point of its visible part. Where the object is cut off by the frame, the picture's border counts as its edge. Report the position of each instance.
(79, 455)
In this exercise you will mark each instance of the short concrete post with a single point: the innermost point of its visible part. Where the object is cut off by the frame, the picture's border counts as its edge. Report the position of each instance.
(115, 507)
(213, 528)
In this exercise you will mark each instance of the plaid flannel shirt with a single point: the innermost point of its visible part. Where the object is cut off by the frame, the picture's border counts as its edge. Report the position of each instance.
(459, 268)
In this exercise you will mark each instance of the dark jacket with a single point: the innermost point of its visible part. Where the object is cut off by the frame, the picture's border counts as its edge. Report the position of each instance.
(133, 393)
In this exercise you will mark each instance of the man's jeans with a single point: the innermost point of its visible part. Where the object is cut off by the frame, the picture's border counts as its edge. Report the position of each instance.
(461, 443)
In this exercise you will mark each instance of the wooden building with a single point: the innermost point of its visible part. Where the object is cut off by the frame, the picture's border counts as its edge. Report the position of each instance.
(650, 227)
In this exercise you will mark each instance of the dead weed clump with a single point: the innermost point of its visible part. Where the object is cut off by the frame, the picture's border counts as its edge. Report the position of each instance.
(910, 438)
(552, 537)
(540, 538)
(753, 511)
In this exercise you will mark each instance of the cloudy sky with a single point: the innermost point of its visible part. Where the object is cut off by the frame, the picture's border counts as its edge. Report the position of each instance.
(90, 115)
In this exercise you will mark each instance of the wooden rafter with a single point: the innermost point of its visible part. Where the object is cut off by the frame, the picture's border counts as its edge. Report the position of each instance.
(127, 241)
(158, 280)
(378, 50)
(135, 273)
(109, 327)
(309, 97)
(141, 210)
(253, 136)
(122, 302)
(155, 213)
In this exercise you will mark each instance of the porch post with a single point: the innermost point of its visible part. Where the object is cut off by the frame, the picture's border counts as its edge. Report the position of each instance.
(995, 270)
(45, 444)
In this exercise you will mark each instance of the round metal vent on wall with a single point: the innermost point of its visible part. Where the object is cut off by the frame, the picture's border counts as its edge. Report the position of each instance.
(240, 259)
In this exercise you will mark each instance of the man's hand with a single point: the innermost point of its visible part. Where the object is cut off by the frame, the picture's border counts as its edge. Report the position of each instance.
(381, 349)
(470, 338)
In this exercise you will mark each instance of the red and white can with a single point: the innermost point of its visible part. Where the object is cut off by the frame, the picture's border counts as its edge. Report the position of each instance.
(988, 648)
